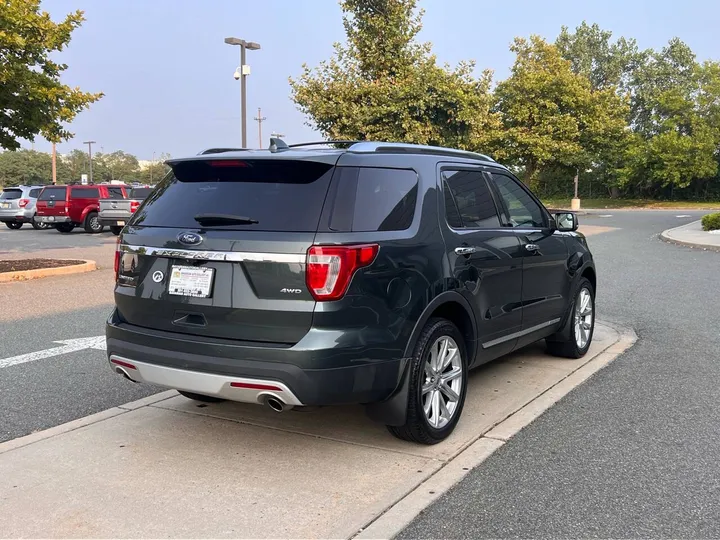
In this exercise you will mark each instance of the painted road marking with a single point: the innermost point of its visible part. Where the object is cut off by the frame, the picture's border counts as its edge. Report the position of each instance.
(683, 215)
(67, 346)
(605, 215)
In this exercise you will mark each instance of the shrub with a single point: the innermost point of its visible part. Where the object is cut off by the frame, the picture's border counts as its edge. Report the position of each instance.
(711, 222)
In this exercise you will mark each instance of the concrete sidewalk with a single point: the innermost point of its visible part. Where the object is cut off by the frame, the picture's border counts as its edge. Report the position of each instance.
(692, 235)
(169, 467)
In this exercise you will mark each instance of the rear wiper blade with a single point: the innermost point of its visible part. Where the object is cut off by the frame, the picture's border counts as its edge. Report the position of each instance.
(224, 219)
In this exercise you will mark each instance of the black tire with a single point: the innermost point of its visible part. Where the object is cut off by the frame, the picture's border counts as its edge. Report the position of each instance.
(417, 426)
(115, 229)
(39, 226)
(565, 343)
(200, 397)
(92, 224)
(14, 225)
(64, 227)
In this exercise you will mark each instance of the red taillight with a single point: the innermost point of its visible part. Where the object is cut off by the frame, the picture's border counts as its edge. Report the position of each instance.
(330, 268)
(23, 202)
(118, 254)
(134, 205)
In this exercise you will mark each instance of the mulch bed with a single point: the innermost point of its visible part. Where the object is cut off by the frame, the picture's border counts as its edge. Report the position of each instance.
(34, 264)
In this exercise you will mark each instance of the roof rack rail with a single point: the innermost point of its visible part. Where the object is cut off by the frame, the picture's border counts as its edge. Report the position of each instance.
(320, 143)
(392, 148)
(220, 150)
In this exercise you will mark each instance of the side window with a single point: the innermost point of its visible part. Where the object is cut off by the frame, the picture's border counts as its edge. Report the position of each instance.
(522, 210)
(115, 193)
(468, 201)
(34, 193)
(384, 200)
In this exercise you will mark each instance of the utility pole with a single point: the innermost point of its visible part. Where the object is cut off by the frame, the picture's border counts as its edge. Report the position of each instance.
(54, 165)
(260, 119)
(90, 143)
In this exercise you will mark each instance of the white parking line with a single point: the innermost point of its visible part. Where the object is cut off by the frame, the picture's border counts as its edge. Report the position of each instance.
(683, 215)
(605, 215)
(68, 346)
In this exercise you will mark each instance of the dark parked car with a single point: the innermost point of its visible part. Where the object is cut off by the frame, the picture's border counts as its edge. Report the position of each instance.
(376, 274)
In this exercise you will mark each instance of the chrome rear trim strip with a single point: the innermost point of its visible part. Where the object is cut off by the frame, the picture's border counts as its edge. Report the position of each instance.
(200, 255)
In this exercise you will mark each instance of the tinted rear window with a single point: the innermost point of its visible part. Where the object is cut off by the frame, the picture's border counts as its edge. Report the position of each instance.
(374, 199)
(140, 193)
(84, 193)
(53, 193)
(282, 195)
(115, 193)
(10, 194)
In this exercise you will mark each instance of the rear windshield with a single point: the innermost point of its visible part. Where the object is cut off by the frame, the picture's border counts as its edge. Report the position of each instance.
(281, 195)
(11, 194)
(53, 193)
(115, 193)
(140, 193)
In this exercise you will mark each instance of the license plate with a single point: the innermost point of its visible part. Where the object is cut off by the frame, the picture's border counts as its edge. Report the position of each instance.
(5, 205)
(47, 219)
(195, 281)
(121, 223)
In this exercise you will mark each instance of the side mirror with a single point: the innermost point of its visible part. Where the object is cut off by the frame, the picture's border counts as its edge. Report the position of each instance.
(566, 221)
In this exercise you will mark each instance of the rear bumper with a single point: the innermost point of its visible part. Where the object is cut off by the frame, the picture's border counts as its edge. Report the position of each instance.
(53, 219)
(16, 215)
(109, 219)
(208, 367)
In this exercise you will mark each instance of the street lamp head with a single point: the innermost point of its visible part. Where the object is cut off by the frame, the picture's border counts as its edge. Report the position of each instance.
(234, 41)
(252, 46)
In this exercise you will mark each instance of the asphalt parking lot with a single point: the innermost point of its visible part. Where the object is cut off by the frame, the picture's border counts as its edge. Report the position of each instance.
(630, 453)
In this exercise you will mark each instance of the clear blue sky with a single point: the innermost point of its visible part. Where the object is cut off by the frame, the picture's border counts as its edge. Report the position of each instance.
(167, 74)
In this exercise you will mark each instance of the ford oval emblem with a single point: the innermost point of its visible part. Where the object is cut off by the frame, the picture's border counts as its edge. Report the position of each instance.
(190, 238)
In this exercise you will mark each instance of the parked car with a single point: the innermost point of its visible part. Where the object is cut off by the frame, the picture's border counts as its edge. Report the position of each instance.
(67, 207)
(17, 206)
(115, 212)
(377, 274)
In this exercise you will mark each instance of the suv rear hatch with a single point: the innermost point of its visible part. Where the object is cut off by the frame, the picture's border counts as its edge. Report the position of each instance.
(52, 201)
(219, 249)
(10, 201)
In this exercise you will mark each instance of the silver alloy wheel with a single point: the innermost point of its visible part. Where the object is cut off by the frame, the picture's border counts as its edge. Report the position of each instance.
(444, 375)
(583, 317)
(95, 223)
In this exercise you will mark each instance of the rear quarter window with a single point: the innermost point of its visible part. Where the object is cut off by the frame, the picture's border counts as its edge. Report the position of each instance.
(35, 192)
(84, 193)
(374, 199)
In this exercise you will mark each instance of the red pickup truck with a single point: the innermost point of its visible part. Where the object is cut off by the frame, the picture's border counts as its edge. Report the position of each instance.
(67, 207)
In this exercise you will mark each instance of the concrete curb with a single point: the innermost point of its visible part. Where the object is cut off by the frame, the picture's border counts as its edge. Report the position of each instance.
(24, 275)
(400, 515)
(666, 236)
(38, 436)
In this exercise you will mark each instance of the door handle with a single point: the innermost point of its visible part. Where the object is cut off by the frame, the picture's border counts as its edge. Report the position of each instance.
(532, 247)
(465, 250)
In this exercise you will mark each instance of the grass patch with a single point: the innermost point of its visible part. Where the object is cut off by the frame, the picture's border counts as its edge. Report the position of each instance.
(589, 204)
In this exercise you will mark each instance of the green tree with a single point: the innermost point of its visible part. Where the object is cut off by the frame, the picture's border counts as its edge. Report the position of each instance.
(76, 164)
(116, 165)
(25, 167)
(155, 171)
(551, 116)
(383, 85)
(32, 98)
(592, 54)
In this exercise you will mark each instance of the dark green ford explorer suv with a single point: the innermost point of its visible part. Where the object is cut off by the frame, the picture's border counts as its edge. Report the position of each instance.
(372, 273)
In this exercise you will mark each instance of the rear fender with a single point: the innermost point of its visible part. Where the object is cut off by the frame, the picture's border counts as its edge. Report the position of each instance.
(87, 210)
(393, 411)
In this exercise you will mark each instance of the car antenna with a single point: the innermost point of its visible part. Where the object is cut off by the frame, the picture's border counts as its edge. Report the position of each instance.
(278, 145)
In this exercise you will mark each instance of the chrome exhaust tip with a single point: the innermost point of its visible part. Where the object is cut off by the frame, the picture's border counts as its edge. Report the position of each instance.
(277, 405)
(121, 371)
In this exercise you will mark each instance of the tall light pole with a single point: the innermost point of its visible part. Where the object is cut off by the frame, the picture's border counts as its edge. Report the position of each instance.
(90, 143)
(241, 73)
